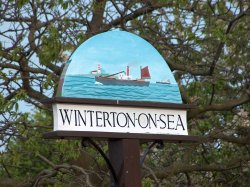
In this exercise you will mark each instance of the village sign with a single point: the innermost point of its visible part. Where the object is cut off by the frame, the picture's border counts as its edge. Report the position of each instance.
(118, 87)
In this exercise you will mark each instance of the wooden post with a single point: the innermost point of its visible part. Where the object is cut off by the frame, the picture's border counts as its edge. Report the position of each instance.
(124, 156)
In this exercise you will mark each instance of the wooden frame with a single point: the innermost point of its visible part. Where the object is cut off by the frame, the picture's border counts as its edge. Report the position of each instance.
(111, 135)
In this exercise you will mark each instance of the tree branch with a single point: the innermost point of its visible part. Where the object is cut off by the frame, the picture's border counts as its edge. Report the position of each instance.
(64, 168)
(227, 105)
(180, 167)
(141, 11)
(97, 20)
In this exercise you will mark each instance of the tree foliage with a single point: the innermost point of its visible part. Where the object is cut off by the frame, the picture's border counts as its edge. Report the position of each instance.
(205, 43)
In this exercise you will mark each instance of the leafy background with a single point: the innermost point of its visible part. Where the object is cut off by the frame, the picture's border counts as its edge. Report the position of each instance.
(207, 46)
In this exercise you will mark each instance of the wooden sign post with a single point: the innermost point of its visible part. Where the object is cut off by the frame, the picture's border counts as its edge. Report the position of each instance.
(117, 87)
(125, 157)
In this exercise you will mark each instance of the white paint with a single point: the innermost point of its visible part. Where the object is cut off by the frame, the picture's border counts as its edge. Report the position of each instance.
(99, 118)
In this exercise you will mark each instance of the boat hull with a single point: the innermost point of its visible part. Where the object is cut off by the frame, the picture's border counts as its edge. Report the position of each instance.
(121, 82)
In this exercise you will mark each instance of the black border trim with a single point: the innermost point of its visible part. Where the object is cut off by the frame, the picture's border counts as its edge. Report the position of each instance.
(112, 135)
(70, 100)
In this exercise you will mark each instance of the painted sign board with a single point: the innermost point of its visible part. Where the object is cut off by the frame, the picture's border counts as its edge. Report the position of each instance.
(118, 66)
(99, 118)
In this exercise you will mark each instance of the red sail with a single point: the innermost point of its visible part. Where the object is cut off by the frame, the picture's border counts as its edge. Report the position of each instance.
(145, 73)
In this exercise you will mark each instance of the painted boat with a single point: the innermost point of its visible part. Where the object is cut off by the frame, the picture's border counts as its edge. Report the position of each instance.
(121, 82)
(163, 82)
(110, 80)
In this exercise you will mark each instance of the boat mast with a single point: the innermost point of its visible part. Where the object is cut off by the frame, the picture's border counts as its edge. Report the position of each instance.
(141, 71)
(99, 68)
(127, 71)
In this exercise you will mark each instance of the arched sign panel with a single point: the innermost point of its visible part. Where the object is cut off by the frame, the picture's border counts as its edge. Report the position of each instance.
(118, 65)
(131, 81)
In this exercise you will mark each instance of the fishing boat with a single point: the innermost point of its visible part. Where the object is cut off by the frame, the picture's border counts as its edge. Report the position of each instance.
(163, 82)
(125, 80)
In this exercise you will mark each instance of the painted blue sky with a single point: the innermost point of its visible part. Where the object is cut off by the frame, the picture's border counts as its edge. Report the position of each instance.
(114, 51)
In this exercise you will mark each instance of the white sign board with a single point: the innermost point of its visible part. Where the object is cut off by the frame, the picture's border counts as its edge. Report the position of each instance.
(99, 118)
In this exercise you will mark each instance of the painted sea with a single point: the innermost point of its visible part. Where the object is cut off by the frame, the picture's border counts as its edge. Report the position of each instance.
(86, 87)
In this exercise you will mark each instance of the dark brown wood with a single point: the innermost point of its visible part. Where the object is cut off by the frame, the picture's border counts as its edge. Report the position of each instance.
(111, 135)
(125, 158)
(68, 100)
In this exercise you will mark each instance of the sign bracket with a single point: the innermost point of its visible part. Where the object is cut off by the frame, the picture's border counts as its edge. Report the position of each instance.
(113, 150)
(159, 144)
(106, 159)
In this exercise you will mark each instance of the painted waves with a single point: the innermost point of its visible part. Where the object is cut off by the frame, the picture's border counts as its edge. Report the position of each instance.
(87, 87)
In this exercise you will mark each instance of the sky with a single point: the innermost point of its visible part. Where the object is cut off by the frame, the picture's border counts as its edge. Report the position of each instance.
(114, 51)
